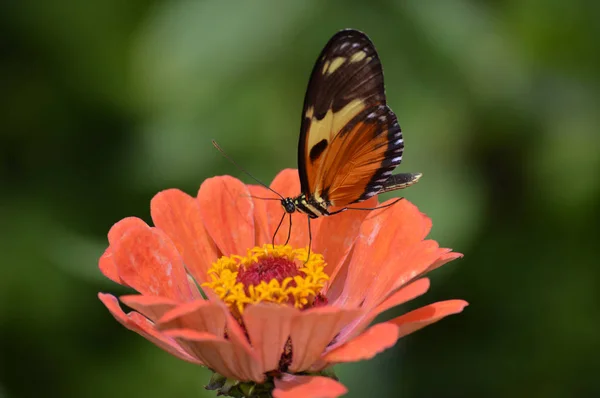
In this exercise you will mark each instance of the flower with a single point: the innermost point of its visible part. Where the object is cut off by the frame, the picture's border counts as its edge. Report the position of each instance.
(274, 318)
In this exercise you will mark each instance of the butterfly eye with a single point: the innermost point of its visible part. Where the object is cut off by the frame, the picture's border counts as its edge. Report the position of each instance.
(288, 205)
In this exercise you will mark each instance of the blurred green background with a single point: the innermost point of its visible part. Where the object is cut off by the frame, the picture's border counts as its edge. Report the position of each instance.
(106, 102)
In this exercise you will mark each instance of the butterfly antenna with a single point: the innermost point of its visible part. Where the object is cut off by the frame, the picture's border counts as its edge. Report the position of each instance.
(261, 198)
(242, 169)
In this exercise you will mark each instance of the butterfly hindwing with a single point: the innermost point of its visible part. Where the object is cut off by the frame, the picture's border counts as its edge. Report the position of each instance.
(363, 155)
(350, 141)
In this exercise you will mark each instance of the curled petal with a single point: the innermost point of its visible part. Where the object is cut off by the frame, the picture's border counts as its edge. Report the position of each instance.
(216, 352)
(118, 230)
(199, 315)
(148, 261)
(294, 386)
(137, 323)
(220, 354)
(370, 343)
(424, 316)
(446, 258)
(152, 307)
(108, 268)
(228, 213)
(247, 358)
(269, 328)
(178, 214)
(313, 330)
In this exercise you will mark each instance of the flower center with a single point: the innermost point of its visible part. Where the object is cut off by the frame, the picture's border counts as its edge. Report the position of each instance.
(278, 274)
(266, 269)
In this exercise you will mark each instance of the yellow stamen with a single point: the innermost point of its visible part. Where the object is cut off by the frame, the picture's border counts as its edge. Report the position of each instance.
(223, 278)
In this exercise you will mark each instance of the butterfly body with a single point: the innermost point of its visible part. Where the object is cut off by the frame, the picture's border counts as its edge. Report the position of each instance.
(350, 140)
(307, 205)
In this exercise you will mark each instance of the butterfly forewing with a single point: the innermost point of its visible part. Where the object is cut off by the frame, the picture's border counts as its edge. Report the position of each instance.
(350, 141)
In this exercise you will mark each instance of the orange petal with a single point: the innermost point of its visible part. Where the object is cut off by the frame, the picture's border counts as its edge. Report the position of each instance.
(313, 330)
(419, 318)
(216, 352)
(228, 214)
(222, 355)
(247, 358)
(286, 183)
(200, 315)
(148, 261)
(152, 307)
(118, 230)
(371, 279)
(106, 263)
(334, 240)
(446, 258)
(178, 214)
(404, 295)
(262, 224)
(397, 270)
(294, 386)
(370, 343)
(269, 327)
(137, 323)
(389, 252)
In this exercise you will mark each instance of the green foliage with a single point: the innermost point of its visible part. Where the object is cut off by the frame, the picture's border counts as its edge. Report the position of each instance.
(104, 103)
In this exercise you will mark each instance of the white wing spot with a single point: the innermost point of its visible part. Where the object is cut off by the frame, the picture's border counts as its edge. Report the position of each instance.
(396, 159)
(359, 56)
(398, 142)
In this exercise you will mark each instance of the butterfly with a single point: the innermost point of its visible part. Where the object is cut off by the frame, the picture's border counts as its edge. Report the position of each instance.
(350, 140)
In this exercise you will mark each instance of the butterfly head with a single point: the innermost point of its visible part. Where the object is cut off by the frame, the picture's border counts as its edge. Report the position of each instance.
(288, 205)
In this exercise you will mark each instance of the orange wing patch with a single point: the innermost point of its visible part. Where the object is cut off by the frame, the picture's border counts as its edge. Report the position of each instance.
(321, 134)
(360, 158)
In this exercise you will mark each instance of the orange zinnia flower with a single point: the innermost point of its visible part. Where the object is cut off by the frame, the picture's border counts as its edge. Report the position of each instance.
(274, 321)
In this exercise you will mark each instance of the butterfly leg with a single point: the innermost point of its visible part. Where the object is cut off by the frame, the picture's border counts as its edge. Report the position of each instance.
(277, 230)
(289, 229)
(309, 238)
